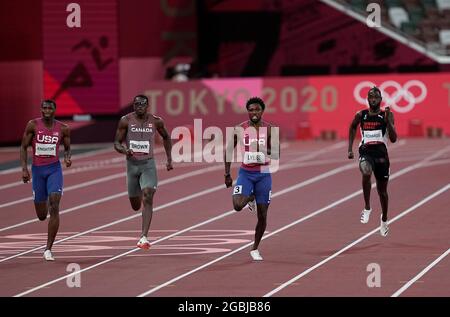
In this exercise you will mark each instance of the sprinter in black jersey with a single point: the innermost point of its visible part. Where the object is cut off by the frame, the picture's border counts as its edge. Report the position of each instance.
(376, 126)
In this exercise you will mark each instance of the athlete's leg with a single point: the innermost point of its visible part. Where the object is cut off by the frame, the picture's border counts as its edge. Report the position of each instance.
(134, 189)
(135, 202)
(40, 195)
(55, 189)
(366, 170)
(147, 211)
(148, 181)
(53, 223)
(382, 183)
(243, 190)
(381, 173)
(240, 201)
(263, 192)
(261, 224)
(41, 210)
(384, 198)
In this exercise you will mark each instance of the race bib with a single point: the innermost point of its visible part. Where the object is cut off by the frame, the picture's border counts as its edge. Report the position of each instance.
(43, 149)
(373, 136)
(254, 158)
(237, 190)
(140, 146)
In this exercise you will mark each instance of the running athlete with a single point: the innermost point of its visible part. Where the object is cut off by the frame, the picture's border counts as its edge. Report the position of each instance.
(376, 125)
(44, 135)
(137, 130)
(254, 183)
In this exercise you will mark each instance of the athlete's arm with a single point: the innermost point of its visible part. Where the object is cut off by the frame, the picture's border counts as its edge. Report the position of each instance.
(121, 133)
(227, 158)
(389, 119)
(26, 141)
(352, 132)
(166, 141)
(66, 141)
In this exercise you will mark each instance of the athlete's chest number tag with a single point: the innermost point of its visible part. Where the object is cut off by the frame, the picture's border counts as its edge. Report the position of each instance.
(254, 158)
(43, 149)
(140, 146)
(373, 136)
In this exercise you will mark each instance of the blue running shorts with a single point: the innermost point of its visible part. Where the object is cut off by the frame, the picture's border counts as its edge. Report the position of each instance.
(260, 184)
(46, 179)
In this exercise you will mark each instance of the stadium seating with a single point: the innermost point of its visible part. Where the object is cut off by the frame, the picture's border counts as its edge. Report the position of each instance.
(426, 22)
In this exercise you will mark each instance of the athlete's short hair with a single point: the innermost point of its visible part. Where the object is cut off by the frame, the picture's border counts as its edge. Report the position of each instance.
(140, 99)
(255, 100)
(375, 88)
(48, 102)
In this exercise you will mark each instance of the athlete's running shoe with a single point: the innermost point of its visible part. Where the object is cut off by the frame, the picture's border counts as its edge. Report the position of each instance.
(255, 255)
(365, 214)
(48, 256)
(143, 243)
(252, 205)
(384, 229)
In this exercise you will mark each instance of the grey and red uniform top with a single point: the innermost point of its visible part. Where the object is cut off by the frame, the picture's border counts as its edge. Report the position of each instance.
(141, 136)
(254, 144)
(46, 142)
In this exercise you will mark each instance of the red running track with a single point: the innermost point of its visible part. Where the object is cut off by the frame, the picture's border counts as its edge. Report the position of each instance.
(201, 247)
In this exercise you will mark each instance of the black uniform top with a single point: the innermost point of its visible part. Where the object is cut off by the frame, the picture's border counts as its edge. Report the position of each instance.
(373, 134)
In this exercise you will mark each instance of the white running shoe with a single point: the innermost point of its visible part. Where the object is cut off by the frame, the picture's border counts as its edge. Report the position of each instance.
(365, 214)
(48, 256)
(143, 243)
(384, 229)
(252, 205)
(255, 255)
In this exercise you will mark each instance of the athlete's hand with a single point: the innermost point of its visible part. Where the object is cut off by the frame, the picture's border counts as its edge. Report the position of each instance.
(228, 181)
(129, 153)
(169, 165)
(68, 162)
(25, 176)
(388, 115)
(350, 155)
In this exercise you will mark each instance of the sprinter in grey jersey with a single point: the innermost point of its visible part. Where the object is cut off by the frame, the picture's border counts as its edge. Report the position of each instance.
(137, 130)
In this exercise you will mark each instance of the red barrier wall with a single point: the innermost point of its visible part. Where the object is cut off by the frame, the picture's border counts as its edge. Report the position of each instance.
(320, 103)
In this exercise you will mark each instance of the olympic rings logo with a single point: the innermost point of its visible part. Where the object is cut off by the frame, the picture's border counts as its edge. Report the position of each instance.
(392, 99)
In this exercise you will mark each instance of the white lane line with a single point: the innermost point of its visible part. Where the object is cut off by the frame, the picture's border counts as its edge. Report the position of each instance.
(422, 273)
(74, 169)
(172, 203)
(319, 211)
(111, 197)
(402, 214)
(286, 190)
(194, 173)
(76, 156)
(128, 218)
